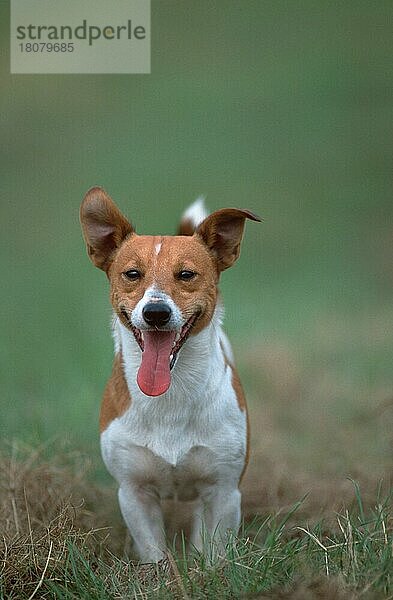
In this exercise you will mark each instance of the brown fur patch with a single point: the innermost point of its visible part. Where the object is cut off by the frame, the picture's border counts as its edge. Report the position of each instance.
(222, 232)
(241, 400)
(177, 253)
(103, 225)
(186, 227)
(237, 386)
(236, 383)
(116, 397)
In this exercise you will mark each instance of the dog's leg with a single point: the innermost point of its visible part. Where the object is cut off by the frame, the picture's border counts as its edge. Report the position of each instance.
(222, 513)
(198, 526)
(142, 513)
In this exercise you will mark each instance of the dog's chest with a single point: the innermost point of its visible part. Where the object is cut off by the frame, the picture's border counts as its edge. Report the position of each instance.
(174, 446)
(192, 434)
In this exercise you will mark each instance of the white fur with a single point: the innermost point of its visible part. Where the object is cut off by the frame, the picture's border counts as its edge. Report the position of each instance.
(153, 294)
(157, 248)
(187, 443)
(196, 212)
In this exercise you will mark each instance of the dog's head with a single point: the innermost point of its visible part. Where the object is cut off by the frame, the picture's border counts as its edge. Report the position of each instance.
(163, 288)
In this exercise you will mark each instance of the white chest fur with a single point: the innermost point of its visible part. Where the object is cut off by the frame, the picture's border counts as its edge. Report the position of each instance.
(194, 431)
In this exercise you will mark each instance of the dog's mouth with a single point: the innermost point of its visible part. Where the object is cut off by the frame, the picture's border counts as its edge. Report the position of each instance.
(160, 350)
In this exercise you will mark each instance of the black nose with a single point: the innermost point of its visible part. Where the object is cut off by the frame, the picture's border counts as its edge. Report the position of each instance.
(156, 314)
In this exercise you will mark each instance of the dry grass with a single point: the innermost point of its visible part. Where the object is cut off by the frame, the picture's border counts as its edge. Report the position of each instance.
(63, 537)
(38, 517)
(54, 524)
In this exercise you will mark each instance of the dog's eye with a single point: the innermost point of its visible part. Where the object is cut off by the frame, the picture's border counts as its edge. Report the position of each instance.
(132, 275)
(186, 275)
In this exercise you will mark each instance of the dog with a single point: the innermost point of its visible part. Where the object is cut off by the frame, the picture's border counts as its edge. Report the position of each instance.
(173, 418)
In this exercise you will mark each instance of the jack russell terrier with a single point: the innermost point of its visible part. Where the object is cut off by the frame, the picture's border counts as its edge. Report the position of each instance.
(173, 417)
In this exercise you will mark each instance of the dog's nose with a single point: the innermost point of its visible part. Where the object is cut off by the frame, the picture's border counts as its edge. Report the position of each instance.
(156, 314)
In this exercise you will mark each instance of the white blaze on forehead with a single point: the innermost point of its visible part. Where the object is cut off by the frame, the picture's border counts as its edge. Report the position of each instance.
(158, 248)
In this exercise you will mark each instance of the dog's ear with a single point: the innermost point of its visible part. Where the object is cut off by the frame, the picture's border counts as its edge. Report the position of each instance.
(222, 232)
(103, 225)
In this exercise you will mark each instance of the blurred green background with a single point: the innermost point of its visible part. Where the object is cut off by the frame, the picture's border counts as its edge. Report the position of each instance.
(285, 108)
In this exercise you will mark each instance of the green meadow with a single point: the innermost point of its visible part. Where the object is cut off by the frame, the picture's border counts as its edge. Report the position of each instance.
(284, 108)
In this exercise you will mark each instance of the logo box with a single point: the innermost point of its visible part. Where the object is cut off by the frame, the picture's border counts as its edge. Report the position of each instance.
(74, 36)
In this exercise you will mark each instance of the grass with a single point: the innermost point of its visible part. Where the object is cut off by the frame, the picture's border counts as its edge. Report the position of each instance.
(52, 547)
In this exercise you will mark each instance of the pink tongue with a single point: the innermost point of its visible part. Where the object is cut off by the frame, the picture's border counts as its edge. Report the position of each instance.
(154, 376)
